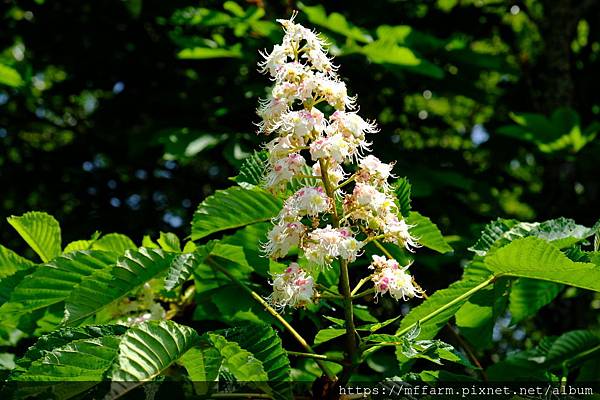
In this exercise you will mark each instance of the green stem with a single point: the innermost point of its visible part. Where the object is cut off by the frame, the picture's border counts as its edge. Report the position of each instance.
(213, 264)
(323, 357)
(382, 248)
(440, 310)
(347, 181)
(351, 334)
(581, 356)
(363, 293)
(360, 284)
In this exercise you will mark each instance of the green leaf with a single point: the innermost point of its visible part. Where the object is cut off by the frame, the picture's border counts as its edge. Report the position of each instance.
(402, 191)
(149, 348)
(64, 336)
(562, 232)
(78, 245)
(427, 233)
(202, 364)
(114, 242)
(535, 258)
(491, 233)
(527, 296)
(570, 345)
(436, 351)
(202, 53)
(239, 362)
(233, 208)
(325, 335)
(440, 298)
(477, 317)
(334, 22)
(83, 360)
(390, 54)
(264, 344)
(52, 283)
(41, 231)
(101, 289)
(567, 351)
(253, 169)
(10, 76)
(169, 242)
(180, 270)
(11, 262)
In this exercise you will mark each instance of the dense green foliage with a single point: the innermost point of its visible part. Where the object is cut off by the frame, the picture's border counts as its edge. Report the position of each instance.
(131, 117)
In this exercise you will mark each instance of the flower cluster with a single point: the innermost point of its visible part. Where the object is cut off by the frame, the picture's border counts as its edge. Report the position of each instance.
(325, 219)
(292, 288)
(390, 277)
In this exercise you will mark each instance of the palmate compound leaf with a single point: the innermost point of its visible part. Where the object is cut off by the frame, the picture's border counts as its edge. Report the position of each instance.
(146, 350)
(106, 286)
(233, 208)
(41, 232)
(52, 283)
(535, 258)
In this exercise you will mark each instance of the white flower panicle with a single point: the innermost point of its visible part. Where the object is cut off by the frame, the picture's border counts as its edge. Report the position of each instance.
(293, 288)
(390, 277)
(339, 212)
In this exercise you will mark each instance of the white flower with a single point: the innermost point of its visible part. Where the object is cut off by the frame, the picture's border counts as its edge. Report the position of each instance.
(319, 60)
(279, 148)
(369, 197)
(284, 170)
(270, 111)
(335, 147)
(350, 124)
(292, 288)
(286, 92)
(292, 72)
(389, 277)
(303, 125)
(273, 60)
(335, 174)
(323, 245)
(282, 238)
(335, 93)
(397, 231)
(309, 201)
(371, 169)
